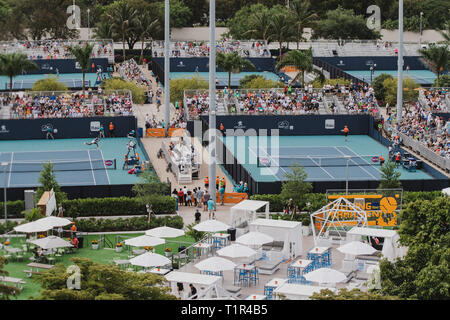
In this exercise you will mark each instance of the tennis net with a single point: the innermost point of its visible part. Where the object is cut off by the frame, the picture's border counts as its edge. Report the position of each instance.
(317, 161)
(62, 165)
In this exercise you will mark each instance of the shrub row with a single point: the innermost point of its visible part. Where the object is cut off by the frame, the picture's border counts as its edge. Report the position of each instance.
(127, 224)
(121, 206)
(14, 209)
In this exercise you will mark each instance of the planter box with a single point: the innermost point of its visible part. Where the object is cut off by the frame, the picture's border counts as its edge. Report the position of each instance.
(94, 246)
(306, 230)
(168, 254)
(119, 249)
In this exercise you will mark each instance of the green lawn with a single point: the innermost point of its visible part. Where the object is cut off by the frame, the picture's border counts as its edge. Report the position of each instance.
(103, 256)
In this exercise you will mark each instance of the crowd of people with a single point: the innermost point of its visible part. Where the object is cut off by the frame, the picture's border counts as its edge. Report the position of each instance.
(436, 99)
(202, 48)
(130, 71)
(360, 99)
(55, 49)
(70, 105)
(430, 130)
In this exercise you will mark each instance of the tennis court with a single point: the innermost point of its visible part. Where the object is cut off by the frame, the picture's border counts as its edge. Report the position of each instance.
(422, 77)
(324, 158)
(71, 80)
(75, 164)
(222, 77)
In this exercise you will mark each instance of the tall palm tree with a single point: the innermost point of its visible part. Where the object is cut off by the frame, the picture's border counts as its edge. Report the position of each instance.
(146, 27)
(233, 63)
(83, 57)
(437, 57)
(302, 60)
(13, 64)
(104, 30)
(122, 17)
(302, 17)
(261, 24)
(446, 33)
(279, 29)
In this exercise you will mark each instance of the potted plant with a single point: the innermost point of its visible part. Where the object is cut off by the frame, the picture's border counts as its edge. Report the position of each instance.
(7, 243)
(306, 230)
(168, 252)
(94, 244)
(148, 248)
(119, 247)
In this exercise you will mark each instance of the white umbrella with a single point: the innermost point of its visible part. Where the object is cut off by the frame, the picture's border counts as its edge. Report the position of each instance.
(446, 191)
(215, 264)
(34, 226)
(55, 221)
(356, 248)
(236, 251)
(325, 275)
(51, 242)
(144, 241)
(149, 259)
(254, 239)
(211, 226)
(165, 232)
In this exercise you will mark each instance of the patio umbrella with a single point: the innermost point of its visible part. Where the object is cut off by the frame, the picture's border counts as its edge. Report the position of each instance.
(149, 259)
(446, 191)
(144, 241)
(51, 242)
(236, 251)
(165, 232)
(55, 221)
(325, 275)
(356, 248)
(215, 264)
(254, 238)
(34, 226)
(211, 226)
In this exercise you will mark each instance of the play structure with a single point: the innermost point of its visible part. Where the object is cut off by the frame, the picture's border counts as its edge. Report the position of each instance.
(332, 220)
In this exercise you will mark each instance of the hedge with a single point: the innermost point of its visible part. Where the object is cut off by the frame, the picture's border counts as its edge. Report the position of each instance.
(122, 206)
(14, 209)
(127, 224)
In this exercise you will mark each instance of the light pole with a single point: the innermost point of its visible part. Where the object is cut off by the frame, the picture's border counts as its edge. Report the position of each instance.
(166, 67)
(212, 100)
(5, 164)
(400, 63)
(89, 29)
(346, 175)
(420, 38)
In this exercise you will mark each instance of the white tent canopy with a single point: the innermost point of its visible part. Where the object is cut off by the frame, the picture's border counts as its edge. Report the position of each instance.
(51, 242)
(247, 210)
(204, 283)
(149, 259)
(294, 291)
(290, 232)
(165, 232)
(391, 249)
(144, 241)
(215, 264)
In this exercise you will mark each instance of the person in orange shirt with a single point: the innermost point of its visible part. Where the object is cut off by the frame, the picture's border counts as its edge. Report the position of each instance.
(111, 130)
(381, 160)
(345, 130)
(206, 180)
(221, 127)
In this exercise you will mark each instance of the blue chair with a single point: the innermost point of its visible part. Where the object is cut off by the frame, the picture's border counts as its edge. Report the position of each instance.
(268, 292)
(254, 276)
(243, 277)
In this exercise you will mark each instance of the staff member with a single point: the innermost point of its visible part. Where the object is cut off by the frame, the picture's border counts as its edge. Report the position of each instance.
(397, 159)
(217, 182)
(381, 160)
(206, 181)
(111, 130)
(345, 130)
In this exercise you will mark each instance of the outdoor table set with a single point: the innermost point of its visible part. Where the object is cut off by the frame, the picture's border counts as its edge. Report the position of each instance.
(270, 286)
(15, 253)
(220, 240)
(246, 274)
(201, 248)
(35, 268)
(297, 270)
(320, 256)
(121, 263)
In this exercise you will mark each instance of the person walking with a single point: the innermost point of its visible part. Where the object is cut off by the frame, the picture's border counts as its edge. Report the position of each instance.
(194, 196)
(205, 200)
(197, 216)
(221, 194)
(211, 209)
(199, 196)
(206, 181)
(180, 196)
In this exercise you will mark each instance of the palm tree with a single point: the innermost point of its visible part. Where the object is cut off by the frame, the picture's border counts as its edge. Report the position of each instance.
(302, 17)
(104, 30)
(279, 29)
(261, 25)
(446, 33)
(437, 57)
(13, 64)
(232, 63)
(146, 27)
(122, 17)
(299, 59)
(83, 57)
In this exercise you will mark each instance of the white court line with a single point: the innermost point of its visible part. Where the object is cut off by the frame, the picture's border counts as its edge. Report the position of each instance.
(270, 167)
(364, 160)
(92, 169)
(10, 169)
(322, 168)
(106, 170)
(346, 155)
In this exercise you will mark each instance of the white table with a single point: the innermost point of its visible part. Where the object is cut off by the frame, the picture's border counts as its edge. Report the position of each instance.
(270, 286)
(319, 250)
(159, 271)
(299, 291)
(223, 238)
(301, 263)
(13, 250)
(256, 297)
(203, 247)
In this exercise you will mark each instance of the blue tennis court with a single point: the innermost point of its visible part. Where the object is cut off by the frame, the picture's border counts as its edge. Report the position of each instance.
(75, 164)
(222, 77)
(324, 158)
(422, 77)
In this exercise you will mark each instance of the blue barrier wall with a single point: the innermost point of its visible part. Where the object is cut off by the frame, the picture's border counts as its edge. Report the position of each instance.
(364, 63)
(48, 66)
(26, 129)
(189, 64)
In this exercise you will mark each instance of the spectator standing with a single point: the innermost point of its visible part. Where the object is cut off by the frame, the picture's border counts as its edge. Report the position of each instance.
(197, 216)
(211, 209)
(205, 200)
(221, 194)
(180, 196)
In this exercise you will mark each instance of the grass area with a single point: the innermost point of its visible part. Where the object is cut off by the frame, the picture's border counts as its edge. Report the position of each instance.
(103, 256)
